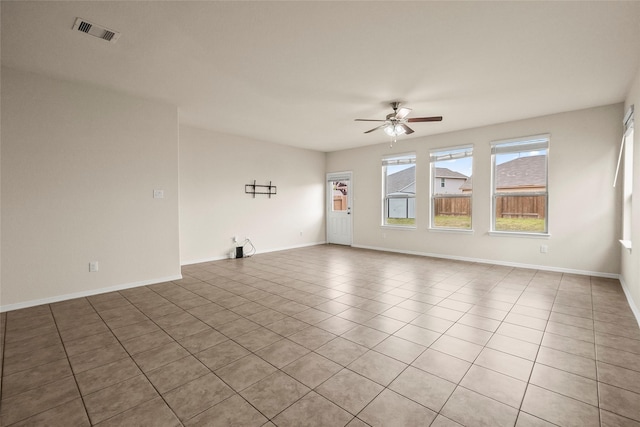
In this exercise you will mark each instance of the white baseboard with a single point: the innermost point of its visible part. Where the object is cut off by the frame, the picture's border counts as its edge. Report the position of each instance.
(494, 262)
(634, 307)
(32, 303)
(218, 258)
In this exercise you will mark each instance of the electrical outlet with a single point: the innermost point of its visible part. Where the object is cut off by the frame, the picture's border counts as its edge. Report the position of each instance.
(544, 249)
(235, 239)
(93, 266)
(158, 194)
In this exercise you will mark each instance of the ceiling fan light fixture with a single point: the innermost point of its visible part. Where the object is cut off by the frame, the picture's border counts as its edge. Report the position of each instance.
(394, 130)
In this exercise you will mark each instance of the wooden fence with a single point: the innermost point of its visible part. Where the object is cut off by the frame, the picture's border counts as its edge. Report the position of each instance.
(457, 206)
(339, 203)
(521, 206)
(506, 206)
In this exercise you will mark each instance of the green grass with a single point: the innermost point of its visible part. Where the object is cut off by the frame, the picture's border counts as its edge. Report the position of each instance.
(401, 221)
(527, 225)
(453, 221)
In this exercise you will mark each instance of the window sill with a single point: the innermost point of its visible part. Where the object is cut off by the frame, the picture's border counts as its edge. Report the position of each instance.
(450, 230)
(398, 227)
(626, 244)
(519, 234)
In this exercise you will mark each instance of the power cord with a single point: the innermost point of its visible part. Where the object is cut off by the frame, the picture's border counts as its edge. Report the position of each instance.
(253, 248)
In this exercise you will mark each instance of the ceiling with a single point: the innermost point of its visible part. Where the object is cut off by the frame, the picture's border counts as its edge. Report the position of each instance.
(299, 73)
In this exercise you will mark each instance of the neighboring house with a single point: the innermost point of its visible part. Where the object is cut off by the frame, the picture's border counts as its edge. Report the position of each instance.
(524, 174)
(448, 182)
(401, 193)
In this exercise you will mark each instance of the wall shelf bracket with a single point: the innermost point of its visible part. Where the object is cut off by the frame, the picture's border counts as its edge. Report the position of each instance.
(253, 189)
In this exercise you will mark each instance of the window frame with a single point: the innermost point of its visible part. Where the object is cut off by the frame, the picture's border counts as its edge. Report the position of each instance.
(434, 157)
(520, 145)
(626, 155)
(391, 160)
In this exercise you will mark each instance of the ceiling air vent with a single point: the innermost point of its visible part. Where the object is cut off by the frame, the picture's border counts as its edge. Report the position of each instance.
(96, 30)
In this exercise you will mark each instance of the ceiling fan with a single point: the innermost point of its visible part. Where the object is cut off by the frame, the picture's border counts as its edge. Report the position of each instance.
(396, 123)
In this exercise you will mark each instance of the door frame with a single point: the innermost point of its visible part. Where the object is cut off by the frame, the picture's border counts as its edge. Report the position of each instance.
(336, 176)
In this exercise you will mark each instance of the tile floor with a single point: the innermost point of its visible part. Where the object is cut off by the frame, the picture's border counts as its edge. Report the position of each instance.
(330, 336)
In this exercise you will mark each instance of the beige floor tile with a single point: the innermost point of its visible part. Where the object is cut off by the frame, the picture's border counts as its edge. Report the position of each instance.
(336, 325)
(619, 377)
(154, 412)
(197, 396)
(559, 409)
(234, 411)
(274, 393)
(513, 346)
(565, 383)
(400, 349)
(469, 333)
(458, 348)
(245, 372)
(528, 420)
(500, 387)
(432, 323)
(392, 409)
(568, 362)
(472, 409)
(619, 401)
(609, 419)
(442, 365)
(377, 367)
(257, 339)
(349, 390)
(282, 352)
(96, 358)
(504, 363)
(365, 336)
(418, 335)
(34, 401)
(312, 337)
(72, 413)
(222, 354)
(26, 380)
(313, 410)
(286, 308)
(202, 340)
(312, 369)
(424, 388)
(159, 356)
(104, 376)
(113, 400)
(177, 373)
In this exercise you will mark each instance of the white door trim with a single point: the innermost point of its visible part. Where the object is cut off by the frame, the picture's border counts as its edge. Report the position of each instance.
(337, 176)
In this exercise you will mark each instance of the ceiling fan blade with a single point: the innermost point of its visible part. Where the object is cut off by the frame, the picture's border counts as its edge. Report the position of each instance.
(376, 128)
(402, 113)
(368, 120)
(425, 119)
(407, 129)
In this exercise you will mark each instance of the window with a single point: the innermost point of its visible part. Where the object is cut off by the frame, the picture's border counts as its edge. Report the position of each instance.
(626, 150)
(520, 194)
(451, 189)
(399, 190)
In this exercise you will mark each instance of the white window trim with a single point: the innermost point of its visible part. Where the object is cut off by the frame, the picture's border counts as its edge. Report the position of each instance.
(536, 141)
(411, 158)
(432, 161)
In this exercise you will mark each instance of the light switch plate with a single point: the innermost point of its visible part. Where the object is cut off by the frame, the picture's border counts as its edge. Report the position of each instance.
(158, 194)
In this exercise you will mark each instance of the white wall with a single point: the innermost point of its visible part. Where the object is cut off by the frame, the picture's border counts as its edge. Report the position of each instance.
(630, 263)
(79, 166)
(584, 216)
(214, 169)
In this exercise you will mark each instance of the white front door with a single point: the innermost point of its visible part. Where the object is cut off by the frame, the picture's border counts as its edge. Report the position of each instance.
(339, 197)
